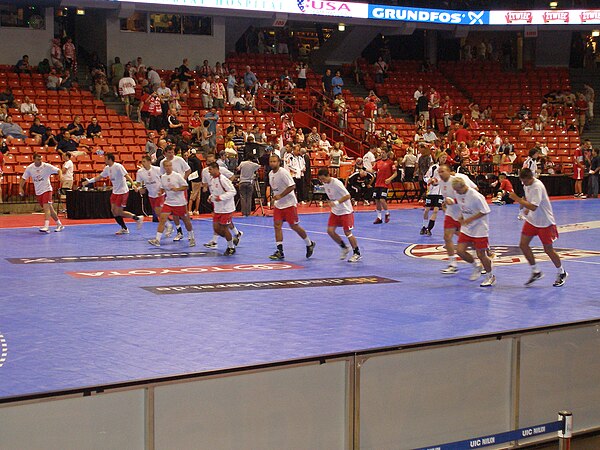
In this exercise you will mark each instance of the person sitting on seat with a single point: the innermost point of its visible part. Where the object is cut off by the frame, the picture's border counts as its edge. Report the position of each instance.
(360, 185)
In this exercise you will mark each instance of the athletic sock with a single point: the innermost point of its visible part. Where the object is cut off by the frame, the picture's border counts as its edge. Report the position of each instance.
(191, 234)
(215, 237)
(431, 225)
(357, 251)
(561, 270)
(425, 223)
(58, 222)
(135, 217)
(280, 246)
(46, 223)
(158, 236)
(230, 244)
(452, 260)
(121, 222)
(387, 213)
(379, 214)
(307, 241)
(235, 231)
(534, 268)
(179, 230)
(343, 244)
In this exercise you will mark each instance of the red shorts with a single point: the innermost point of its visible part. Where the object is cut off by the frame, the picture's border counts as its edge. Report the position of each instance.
(577, 173)
(45, 198)
(179, 211)
(480, 243)
(222, 218)
(449, 223)
(289, 215)
(157, 202)
(547, 235)
(345, 221)
(119, 199)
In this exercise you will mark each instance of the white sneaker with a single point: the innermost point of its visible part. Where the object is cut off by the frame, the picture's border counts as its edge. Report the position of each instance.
(59, 228)
(355, 258)
(168, 230)
(154, 242)
(196, 213)
(344, 253)
(236, 239)
(490, 280)
(139, 222)
(476, 272)
(320, 204)
(178, 237)
(123, 231)
(192, 242)
(44, 230)
(450, 270)
(355, 203)
(366, 203)
(211, 244)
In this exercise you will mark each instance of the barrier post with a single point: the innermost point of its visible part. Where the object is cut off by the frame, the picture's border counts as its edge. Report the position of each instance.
(566, 432)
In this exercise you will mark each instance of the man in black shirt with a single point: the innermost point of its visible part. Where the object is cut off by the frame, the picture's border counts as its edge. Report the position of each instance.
(68, 144)
(195, 183)
(37, 130)
(251, 148)
(423, 108)
(359, 186)
(326, 83)
(184, 74)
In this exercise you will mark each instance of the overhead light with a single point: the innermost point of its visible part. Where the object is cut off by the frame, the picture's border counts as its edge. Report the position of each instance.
(80, 12)
(595, 33)
(553, 5)
(341, 27)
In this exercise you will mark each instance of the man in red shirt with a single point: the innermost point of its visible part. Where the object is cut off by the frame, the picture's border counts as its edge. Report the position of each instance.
(194, 125)
(505, 187)
(579, 168)
(386, 172)
(581, 108)
(369, 110)
(463, 134)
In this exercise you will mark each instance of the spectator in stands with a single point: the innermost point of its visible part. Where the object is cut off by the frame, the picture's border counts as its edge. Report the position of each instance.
(420, 122)
(205, 70)
(409, 161)
(231, 86)
(324, 143)
(301, 70)
(175, 125)
(496, 141)
(250, 101)
(68, 144)
(7, 98)
(22, 65)
(523, 113)
(11, 130)
(217, 91)
(510, 113)
(184, 74)
(526, 126)
(126, 88)
(28, 107)
(175, 97)
(326, 83)
(337, 154)
(506, 145)
(487, 113)
(56, 54)
(66, 82)
(250, 81)
(153, 78)
(337, 83)
(164, 93)
(423, 108)
(220, 69)
(505, 162)
(155, 112)
(144, 107)
(581, 110)
(383, 112)
(462, 134)
(43, 66)
(539, 124)
(100, 82)
(474, 109)
(429, 136)
(213, 117)
(313, 137)
(37, 131)
(117, 71)
(70, 54)
(75, 128)
(49, 139)
(381, 69)
(94, 130)
(369, 113)
(151, 146)
(205, 92)
(161, 149)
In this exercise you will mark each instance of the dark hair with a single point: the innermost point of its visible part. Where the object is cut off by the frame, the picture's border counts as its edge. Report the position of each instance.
(35, 155)
(323, 172)
(206, 123)
(213, 165)
(147, 158)
(533, 151)
(525, 174)
(110, 156)
(117, 59)
(68, 155)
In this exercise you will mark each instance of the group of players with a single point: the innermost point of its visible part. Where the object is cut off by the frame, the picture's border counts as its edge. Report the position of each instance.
(466, 210)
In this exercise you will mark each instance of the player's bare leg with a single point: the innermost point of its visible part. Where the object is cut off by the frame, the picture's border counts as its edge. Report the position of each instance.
(450, 250)
(159, 231)
(223, 231)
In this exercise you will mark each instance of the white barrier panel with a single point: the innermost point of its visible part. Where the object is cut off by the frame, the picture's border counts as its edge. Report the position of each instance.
(289, 408)
(107, 421)
(561, 370)
(418, 398)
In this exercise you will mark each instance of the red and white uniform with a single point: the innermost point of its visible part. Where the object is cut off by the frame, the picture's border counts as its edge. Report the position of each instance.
(342, 214)
(222, 195)
(476, 232)
(120, 192)
(175, 201)
(577, 168)
(285, 207)
(180, 166)
(541, 221)
(447, 191)
(384, 169)
(150, 179)
(40, 176)
(126, 86)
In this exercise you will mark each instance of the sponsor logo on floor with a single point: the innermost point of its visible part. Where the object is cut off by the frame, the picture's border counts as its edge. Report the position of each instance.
(100, 258)
(184, 270)
(503, 255)
(272, 284)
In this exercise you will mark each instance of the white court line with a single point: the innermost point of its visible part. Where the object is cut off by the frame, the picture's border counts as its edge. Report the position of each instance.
(3, 350)
(584, 262)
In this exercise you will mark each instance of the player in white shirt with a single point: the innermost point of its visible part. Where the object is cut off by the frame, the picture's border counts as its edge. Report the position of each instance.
(433, 199)
(539, 221)
(174, 186)
(67, 172)
(285, 207)
(40, 173)
(181, 167)
(452, 211)
(369, 159)
(127, 92)
(120, 192)
(474, 230)
(222, 196)
(342, 214)
(205, 178)
(147, 181)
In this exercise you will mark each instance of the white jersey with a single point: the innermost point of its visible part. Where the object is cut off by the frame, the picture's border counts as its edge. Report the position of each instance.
(40, 176)
(335, 190)
(368, 161)
(180, 166)
(471, 203)
(223, 188)
(205, 174)
(127, 86)
(67, 170)
(279, 182)
(168, 182)
(446, 190)
(116, 173)
(150, 179)
(537, 195)
(432, 178)
(531, 164)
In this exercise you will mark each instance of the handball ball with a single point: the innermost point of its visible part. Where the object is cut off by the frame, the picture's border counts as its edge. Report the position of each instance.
(450, 201)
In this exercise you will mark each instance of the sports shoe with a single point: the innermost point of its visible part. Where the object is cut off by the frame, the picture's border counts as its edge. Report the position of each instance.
(229, 252)
(344, 253)
(534, 277)
(123, 231)
(168, 230)
(59, 228)
(139, 222)
(561, 278)
(154, 242)
(355, 258)
(378, 221)
(427, 232)
(310, 249)
(178, 237)
(490, 280)
(423, 231)
(44, 230)
(450, 270)
(476, 272)
(195, 213)
(498, 202)
(211, 244)
(366, 203)
(278, 255)
(236, 239)
(387, 218)
(583, 196)
(192, 242)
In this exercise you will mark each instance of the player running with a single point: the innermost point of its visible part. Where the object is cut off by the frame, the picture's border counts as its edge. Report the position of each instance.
(40, 173)
(285, 207)
(433, 199)
(452, 212)
(148, 181)
(120, 192)
(205, 177)
(539, 221)
(386, 172)
(175, 187)
(474, 230)
(342, 214)
(181, 167)
(222, 196)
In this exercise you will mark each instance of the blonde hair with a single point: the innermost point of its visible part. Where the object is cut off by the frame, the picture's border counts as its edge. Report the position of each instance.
(457, 182)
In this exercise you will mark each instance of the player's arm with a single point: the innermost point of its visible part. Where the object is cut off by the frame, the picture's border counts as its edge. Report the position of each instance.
(187, 174)
(285, 192)
(473, 218)
(522, 202)
(393, 177)
(128, 178)
(92, 180)
(22, 184)
(229, 192)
